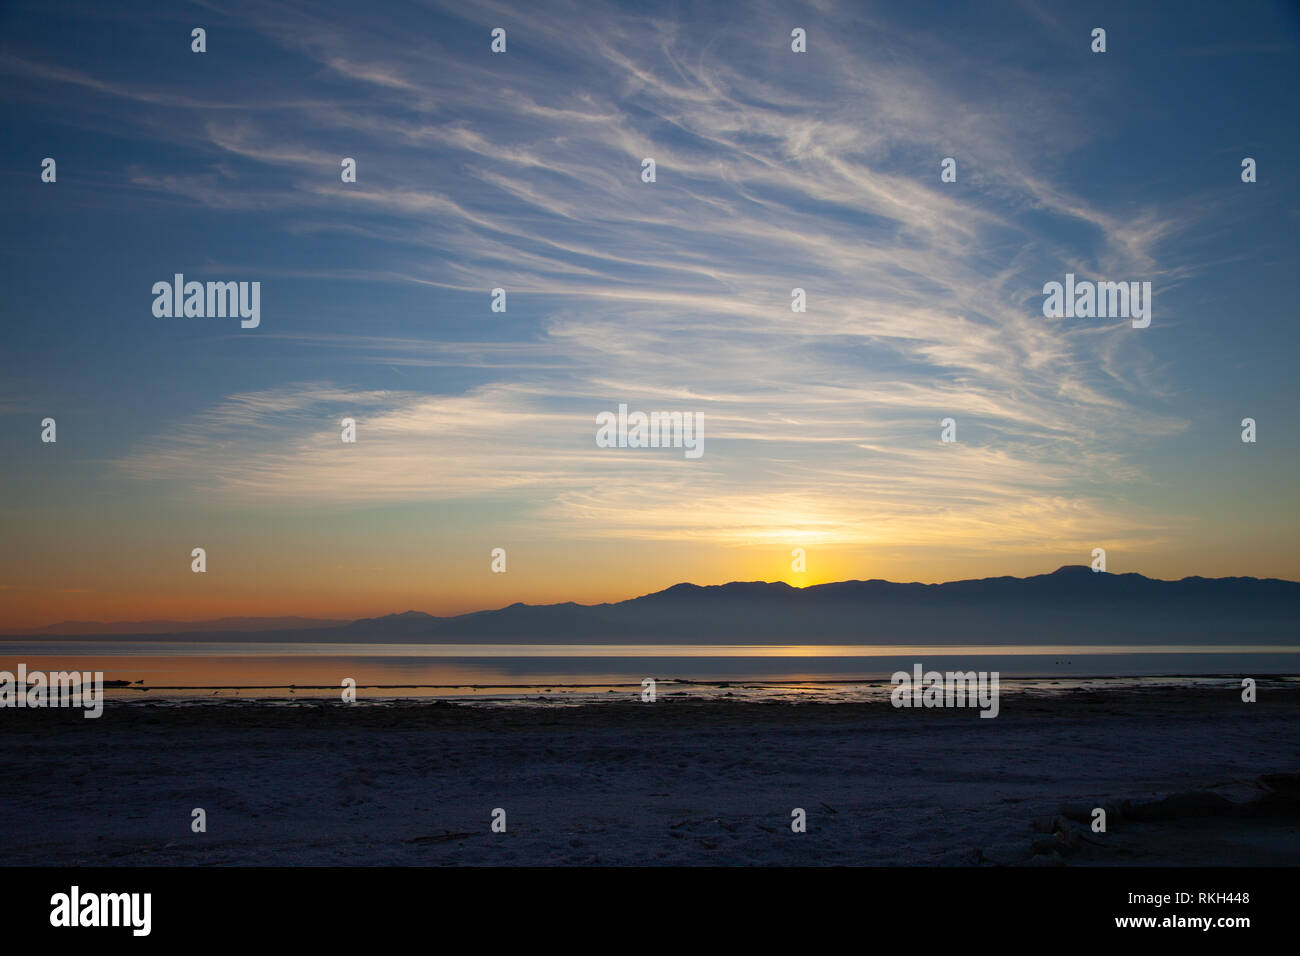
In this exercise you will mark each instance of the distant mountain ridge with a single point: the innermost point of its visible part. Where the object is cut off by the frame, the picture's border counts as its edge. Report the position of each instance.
(222, 624)
(1071, 605)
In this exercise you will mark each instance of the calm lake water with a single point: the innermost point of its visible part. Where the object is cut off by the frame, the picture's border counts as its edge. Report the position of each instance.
(575, 673)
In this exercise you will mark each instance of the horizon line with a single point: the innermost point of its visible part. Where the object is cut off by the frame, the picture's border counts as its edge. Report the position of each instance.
(310, 622)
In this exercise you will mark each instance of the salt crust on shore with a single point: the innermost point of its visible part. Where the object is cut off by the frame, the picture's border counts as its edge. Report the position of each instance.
(670, 783)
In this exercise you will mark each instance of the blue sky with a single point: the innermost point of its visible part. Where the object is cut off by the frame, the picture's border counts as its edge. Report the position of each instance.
(774, 170)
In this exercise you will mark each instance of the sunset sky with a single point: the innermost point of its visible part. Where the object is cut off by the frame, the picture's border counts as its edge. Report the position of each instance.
(476, 430)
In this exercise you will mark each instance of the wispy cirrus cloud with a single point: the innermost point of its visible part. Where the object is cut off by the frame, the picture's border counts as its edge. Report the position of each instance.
(774, 171)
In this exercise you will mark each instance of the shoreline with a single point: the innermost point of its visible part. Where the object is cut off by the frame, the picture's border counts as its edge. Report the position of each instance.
(681, 709)
(572, 693)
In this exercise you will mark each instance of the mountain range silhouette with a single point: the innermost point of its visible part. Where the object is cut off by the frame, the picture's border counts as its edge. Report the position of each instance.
(1071, 605)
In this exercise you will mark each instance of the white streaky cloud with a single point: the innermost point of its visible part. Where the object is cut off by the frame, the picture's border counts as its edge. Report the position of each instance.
(924, 299)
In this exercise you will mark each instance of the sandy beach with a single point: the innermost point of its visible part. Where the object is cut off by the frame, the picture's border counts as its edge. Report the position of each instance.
(1190, 776)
